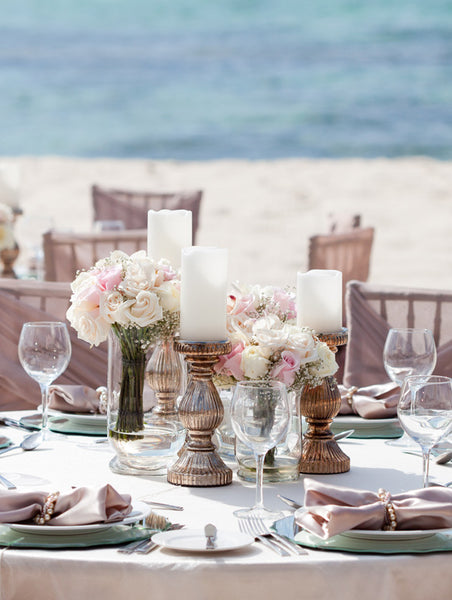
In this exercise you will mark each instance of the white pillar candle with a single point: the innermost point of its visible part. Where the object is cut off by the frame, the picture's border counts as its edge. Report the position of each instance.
(319, 300)
(204, 286)
(168, 232)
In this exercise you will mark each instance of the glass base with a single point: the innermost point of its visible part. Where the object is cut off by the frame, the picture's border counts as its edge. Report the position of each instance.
(283, 469)
(118, 467)
(258, 513)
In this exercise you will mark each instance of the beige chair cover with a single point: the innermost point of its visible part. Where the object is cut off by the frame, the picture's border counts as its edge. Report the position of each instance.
(346, 252)
(372, 310)
(22, 301)
(132, 207)
(66, 253)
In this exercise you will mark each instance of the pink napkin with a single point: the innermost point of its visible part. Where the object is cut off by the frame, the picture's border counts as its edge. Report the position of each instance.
(329, 510)
(77, 398)
(81, 506)
(370, 402)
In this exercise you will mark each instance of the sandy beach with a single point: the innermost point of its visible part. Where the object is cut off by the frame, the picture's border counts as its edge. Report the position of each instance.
(265, 211)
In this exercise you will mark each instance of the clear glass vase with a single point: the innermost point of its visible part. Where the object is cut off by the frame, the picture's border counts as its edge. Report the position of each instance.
(144, 443)
(282, 463)
(224, 434)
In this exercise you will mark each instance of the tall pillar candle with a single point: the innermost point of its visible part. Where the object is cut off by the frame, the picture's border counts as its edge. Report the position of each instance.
(319, 300)
(204, 285)
(168, 232)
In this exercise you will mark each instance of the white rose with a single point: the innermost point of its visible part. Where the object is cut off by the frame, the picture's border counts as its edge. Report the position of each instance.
(253, 364)
(269, 332)
(113, 307)
(92, 330)
(83, 279)
(169, 295)
(327, 362)
(145, 310)
(303, 342)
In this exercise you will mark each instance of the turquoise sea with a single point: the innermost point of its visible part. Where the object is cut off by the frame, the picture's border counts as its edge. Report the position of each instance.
(203, 79)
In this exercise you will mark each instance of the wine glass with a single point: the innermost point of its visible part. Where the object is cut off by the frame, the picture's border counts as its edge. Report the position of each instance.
(44, 352)
(425, 412)
(260, 416)
(407, 352)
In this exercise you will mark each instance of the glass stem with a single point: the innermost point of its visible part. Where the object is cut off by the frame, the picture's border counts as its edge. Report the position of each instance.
(425, 464)
(45, 415)
(259, 480)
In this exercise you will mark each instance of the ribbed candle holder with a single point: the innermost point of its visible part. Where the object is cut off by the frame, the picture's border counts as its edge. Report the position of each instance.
(319, 405)
(201, 412)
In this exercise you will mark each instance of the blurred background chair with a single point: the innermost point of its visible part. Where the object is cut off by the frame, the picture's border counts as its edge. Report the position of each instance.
(66, 253)
(343, 223)
(132, 207)
(373, 309)
(30, 300)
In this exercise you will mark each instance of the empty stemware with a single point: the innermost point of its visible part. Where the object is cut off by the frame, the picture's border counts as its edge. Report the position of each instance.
(408, 351)
(260, 416)
(44, 352)
(425, 412)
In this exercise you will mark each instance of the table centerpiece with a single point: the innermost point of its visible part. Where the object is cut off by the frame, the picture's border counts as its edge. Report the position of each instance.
(134, 302)
(268, 345)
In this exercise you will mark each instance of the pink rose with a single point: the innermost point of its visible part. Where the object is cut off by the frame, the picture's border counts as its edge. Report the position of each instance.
(286, 303)
(237, 306)
(109, 278)
(230, 364)
(88, 298)
(287, 368)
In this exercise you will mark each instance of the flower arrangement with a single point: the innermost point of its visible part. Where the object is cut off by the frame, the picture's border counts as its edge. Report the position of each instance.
(7, 240)
(267, 344)
(136, 298)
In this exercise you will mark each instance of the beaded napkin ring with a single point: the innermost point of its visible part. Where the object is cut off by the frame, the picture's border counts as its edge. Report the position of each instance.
(349, 395)
(47, 510)
(390, 514)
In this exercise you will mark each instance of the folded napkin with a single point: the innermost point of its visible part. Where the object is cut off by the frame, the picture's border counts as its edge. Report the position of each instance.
(78, 398)
(81, 506)
(329, 510)
(371, 402)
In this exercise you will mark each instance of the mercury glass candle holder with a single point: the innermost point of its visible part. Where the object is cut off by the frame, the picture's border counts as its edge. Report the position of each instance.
(201, 412)
(319, 405)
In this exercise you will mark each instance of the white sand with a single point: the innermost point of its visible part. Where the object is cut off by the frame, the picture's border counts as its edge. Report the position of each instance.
(265, 211)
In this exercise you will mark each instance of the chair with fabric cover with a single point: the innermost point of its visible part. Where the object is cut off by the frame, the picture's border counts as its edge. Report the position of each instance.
(373, 309)
(30, 300)
(67, 253)
(131, 207)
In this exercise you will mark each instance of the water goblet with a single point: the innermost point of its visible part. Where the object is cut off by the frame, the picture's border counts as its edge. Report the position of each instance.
(425, 412)
(44, 352)
(260, 416)
(408, 351)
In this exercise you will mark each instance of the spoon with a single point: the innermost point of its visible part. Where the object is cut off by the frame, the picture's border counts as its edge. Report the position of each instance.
(441, 459)
(30, 442)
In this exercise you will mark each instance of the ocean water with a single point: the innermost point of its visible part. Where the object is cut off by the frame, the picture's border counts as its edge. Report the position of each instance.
(199, 79)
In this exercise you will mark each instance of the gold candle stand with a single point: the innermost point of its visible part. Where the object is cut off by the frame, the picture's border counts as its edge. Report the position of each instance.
(321, 453)
(164, 376)
(201, 412)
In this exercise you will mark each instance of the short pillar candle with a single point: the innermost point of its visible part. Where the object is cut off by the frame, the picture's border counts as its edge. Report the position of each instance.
(168, 232)
(204, 284)
(319, 300)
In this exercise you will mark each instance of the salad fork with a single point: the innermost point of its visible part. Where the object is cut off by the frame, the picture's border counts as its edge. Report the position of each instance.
(259, 526)
(246, 526)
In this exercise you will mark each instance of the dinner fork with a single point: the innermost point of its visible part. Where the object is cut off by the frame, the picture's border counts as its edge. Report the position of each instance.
(145, 546)
(245, 526)
(259, 526)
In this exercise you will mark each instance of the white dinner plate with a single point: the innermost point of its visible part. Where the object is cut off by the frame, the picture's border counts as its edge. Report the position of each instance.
(94, 419)
(139, 511)
(367, 428)
(377, 535)
(194, 540)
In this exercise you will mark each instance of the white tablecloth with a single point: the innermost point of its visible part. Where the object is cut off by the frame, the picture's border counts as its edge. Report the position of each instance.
(253, 573)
